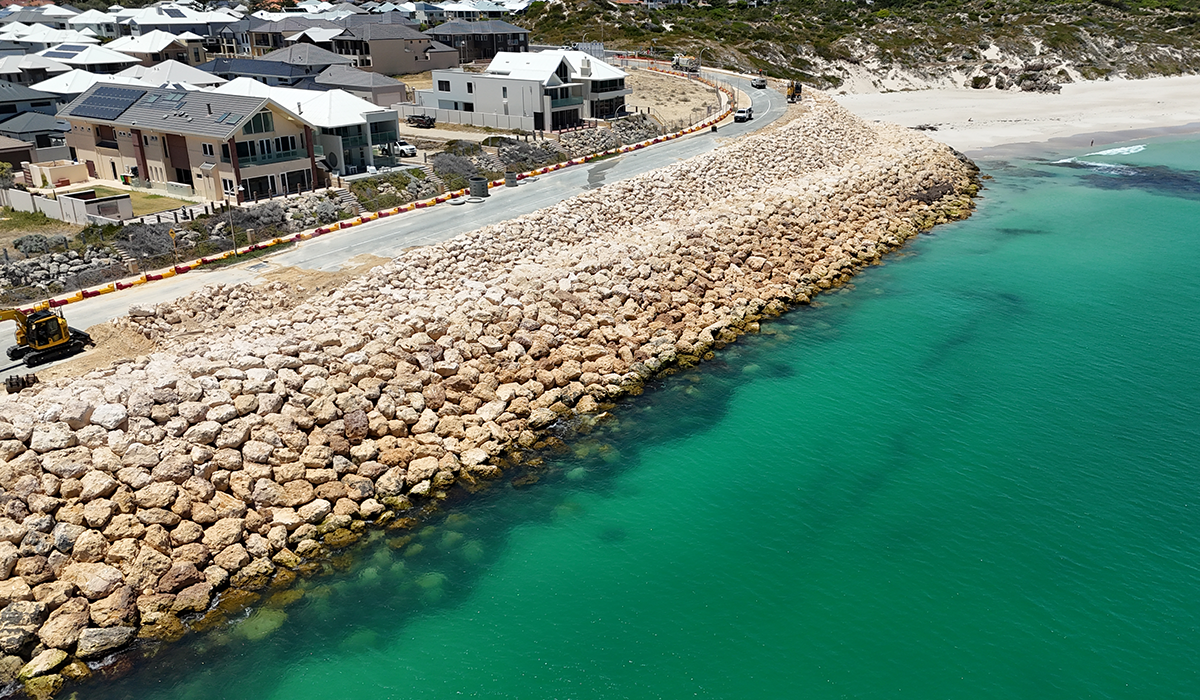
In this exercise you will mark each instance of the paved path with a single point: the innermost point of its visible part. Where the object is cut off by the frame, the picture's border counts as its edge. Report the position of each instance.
(391, 236)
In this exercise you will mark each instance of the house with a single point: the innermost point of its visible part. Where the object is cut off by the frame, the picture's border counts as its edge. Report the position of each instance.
(175, 19)
(309, 55)
(426, 13)
(14, 152)
(557, 89)
(214, 145)
(44, 131)
(372, 87)
(171, 72)
(38, 37)
(94, 59)
(67, 86)
(49, 15)
(103, 24)
(394, 49)
(157, 46)
(29, 69)
(268, 36)
(351, 133)
(480, 41)
(274, 73)
(15, 99)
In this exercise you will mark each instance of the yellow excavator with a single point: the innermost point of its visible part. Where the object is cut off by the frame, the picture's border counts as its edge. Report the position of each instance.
(44, 336)
(793, 91)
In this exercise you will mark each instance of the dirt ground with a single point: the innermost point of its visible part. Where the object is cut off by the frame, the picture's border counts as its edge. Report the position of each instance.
(417, 81)
(313, 281)
(113, 345)
(672, 99)
(121, 343)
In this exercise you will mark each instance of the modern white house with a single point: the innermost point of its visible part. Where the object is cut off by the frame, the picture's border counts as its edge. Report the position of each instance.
(548, 90)
(351, 135)
(100, 23)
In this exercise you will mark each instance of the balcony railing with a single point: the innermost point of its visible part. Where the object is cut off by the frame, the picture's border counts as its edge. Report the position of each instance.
(266, 158)
(107, 144)
(357, 140)
(384, 137)
(566, 102)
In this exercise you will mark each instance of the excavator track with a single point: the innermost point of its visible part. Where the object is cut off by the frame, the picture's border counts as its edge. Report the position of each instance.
(74, 347)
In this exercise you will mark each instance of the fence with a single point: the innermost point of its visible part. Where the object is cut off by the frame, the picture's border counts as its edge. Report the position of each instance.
(68, 208)
(450, 116)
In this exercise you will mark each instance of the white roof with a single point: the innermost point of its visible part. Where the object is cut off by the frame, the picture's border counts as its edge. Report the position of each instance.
(191, 36)
(172, 71)
(76, 81)
(542, 66)
(91, 17)
(150, 42)
(319, 35)
(329, 109)
(88, 56)
(458, 7)
(16, 64)
(48, 36)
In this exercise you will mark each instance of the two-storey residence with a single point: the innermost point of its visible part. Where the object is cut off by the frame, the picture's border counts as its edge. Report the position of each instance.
(481, 41)
(218, 146)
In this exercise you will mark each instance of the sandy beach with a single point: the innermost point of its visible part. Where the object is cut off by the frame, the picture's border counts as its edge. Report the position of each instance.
(1101, 112)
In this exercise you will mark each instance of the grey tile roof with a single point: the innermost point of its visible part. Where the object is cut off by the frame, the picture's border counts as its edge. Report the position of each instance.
(11, 92)
(307, 55)
(491, 26)
(253, 67)
(345, 76)
(190, 116)
(291, 25)
(373, 32)
(376, 18)
(29, 122)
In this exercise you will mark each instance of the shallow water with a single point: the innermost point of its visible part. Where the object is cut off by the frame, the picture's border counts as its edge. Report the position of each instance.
(972, 474)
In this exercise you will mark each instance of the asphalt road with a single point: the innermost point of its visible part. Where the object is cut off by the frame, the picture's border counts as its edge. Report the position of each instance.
(391, 236)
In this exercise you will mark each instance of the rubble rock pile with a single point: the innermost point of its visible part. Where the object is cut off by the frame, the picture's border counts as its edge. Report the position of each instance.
(214, 306)
(230, 461)
(57, 270)
(622, 132)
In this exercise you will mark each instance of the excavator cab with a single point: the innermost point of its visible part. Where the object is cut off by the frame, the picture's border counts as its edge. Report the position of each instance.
(46, 330)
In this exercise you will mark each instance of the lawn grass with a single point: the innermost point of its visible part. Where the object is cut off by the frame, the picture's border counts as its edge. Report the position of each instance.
(144, 202)
(15, 224)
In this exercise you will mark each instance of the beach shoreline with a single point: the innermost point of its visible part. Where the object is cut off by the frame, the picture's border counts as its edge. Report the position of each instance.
(989, 123)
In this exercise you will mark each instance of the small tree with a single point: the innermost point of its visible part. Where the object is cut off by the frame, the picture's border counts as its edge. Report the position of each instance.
(6, 176)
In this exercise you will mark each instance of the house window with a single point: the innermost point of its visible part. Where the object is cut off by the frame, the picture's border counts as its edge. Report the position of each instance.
(468, 107)
(41, 104)
(470, 88)
(225, 152)
(285, 143)
(504, 92)
(145, 140)
(260, 123)
(207, 149)
(229, 186)
(444, 86)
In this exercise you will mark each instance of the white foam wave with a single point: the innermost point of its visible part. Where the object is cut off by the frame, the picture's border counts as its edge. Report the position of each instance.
(1107, 167)
(1122, 151)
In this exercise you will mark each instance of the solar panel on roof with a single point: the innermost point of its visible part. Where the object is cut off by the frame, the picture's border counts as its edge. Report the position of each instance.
(59, 54)
(71, 47)
(107, 103)
(222, 117)
(173, 13)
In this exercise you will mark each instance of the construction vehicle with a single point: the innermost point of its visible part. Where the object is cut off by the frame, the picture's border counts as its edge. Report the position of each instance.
(793, 91)
(44, 336)
(689, 64)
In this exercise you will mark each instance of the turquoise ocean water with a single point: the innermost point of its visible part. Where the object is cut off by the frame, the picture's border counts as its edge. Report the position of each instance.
(973, 474)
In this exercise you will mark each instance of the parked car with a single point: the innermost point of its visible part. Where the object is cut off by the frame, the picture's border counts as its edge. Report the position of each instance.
(404, 149)
(758, 83)
(743, 115)
(424, 121)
